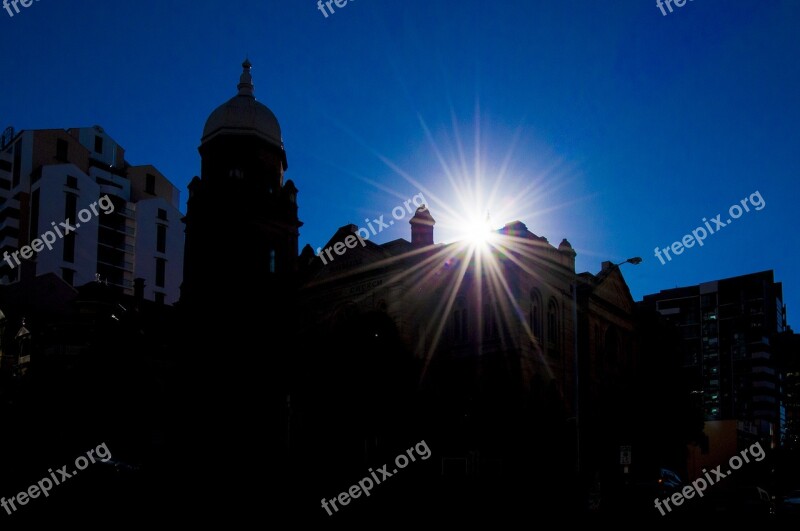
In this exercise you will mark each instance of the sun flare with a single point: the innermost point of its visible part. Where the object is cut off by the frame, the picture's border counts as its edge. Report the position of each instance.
(478, 231)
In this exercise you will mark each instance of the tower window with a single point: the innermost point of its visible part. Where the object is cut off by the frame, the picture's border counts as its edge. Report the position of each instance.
(98, 144)
(272, 260)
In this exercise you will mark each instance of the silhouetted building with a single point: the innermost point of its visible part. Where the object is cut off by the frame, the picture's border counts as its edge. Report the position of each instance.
(236, 307)
(49, 177)
(727, 328)
(241, 217)
(787, 348)
(483, 340)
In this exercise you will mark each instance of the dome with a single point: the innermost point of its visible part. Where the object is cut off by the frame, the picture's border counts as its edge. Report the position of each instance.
(243, 115)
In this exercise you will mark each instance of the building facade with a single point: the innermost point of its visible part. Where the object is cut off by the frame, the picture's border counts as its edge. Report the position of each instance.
(476, 348)
(727, 330)
(54, 176)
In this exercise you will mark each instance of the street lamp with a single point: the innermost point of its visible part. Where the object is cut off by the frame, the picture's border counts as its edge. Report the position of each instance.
(636, 260)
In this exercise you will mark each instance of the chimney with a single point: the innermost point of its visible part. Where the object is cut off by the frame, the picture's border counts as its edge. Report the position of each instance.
(569, 254)
(422, 227)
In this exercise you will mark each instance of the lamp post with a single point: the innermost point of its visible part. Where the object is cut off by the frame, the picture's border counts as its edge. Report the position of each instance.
(634, 261)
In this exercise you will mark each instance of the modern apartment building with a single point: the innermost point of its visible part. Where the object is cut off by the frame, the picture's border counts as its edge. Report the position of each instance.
(49, 175)
(727, 328)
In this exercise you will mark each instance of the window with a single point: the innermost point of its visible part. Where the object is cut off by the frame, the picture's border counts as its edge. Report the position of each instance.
(69, 248)
(161, 238)
(552, 324)
(62, 148)
(34, 231)
(17, 163)
(162, 214)
(70, 206)
(98, 144)
(68, 275)
(160, 297)
(272, 260)
(535, 315)
(72, 182)
(150, 184)
(161, 266)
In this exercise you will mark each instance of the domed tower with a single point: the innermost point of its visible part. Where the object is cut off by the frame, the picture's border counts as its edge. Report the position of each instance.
(241, 219)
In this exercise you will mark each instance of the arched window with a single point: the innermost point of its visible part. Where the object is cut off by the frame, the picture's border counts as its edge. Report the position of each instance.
(535, 314)
(553, 328)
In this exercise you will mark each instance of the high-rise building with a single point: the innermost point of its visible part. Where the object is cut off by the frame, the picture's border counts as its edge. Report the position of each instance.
(126, 219)
(727, 328)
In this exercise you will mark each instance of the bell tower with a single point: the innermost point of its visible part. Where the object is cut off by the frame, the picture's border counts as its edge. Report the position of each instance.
(241, 219)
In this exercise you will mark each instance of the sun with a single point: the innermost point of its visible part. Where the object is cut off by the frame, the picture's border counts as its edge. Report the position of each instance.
(478, 231)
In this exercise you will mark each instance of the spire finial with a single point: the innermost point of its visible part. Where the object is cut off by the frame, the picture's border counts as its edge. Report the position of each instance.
(245, 86)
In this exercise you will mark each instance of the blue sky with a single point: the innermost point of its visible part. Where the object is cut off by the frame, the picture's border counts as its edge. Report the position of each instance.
(603, 122)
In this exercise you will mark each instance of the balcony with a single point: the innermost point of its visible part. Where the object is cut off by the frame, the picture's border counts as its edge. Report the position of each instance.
(10, 223)
(119, 228)
(119, 264)
(127, 248)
